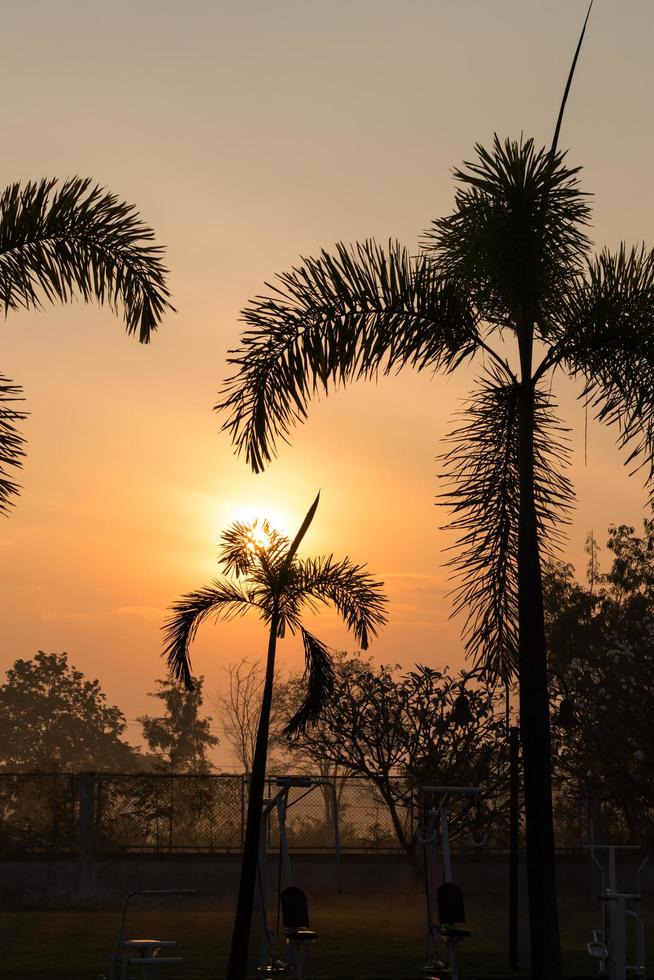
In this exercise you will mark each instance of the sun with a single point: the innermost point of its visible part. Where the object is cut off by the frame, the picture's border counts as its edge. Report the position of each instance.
(260, 517)
(260, 535)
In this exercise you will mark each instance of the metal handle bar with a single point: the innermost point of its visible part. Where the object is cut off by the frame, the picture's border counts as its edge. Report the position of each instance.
(459, 790)
(166, 891)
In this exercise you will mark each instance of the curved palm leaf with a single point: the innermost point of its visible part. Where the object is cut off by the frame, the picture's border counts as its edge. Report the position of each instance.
(481, 468)
(58, 239)
(354, 593)
(604, 328)
(320, 676)
(222, 600)
(335, 319)
(11, 441)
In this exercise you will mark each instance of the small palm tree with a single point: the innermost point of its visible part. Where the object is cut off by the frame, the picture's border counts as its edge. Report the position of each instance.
(59, 240)
(269, 578)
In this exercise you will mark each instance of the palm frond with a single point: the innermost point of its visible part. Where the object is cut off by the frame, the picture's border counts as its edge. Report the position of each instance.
(568, 84)
(481, 470)
(337, 318)
(604, 327)
(289, 557)
(12, 442)
(221, 599)
(355, 594)
(62, 239)
(244, 546)
(320, 676)
(516, 233)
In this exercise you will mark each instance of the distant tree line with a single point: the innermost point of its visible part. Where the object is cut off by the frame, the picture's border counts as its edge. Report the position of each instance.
(53, 718)
(601, 636)
(383, 722)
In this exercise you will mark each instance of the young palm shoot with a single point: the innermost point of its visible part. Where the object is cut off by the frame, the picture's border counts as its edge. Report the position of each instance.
(59, 240)
(264, 574)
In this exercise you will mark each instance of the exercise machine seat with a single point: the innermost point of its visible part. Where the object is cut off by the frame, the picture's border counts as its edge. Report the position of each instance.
(451, 911)
(295, 916)
(451, 932)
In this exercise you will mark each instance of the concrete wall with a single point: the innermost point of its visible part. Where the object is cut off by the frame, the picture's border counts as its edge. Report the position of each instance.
(43, 882)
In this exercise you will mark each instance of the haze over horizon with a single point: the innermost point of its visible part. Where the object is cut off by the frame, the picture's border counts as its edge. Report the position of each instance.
(248, 135)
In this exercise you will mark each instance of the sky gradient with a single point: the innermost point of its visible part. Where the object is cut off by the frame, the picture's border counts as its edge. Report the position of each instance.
(249, 134)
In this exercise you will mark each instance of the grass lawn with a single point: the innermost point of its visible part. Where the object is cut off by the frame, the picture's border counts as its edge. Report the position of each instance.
(359, 938)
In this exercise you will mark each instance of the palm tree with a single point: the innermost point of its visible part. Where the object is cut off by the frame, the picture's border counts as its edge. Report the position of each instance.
(268, 577)
(509, 278)
(58, 240)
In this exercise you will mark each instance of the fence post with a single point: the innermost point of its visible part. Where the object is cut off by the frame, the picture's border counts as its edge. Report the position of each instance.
(87, 783)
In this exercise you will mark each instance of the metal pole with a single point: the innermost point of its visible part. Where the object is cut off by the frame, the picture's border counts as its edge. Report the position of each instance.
(264, 942)
(445, 844)
(514, 824)
(282, 803)
(87, 804)
(337, 836)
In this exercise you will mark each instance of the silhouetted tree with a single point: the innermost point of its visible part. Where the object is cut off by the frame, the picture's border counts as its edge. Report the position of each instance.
(270, 579)
(52, 717)
(179, 740)
(397, 731)
(602, 640)
(62, 239)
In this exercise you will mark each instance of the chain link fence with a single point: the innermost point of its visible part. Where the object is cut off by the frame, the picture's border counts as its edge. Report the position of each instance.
(364, 821)
(39, 813)
(163, 813)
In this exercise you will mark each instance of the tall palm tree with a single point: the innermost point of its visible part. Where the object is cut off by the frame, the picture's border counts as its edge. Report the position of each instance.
(59, 240)
(269, 578)
(509, 278)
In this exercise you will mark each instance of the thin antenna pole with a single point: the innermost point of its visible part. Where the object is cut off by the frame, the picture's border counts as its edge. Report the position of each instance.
(557, 130)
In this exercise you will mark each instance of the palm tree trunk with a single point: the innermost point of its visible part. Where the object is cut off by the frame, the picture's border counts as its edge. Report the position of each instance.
(534, 714)
(238, 953)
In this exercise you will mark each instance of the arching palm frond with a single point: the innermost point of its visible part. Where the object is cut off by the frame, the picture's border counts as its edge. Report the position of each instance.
(59, 239)
(482, 471)
(221, 599)
(336, 318)
(355, 594)
(11, 441)
(516, 234)
(605, 335)
(319, 675)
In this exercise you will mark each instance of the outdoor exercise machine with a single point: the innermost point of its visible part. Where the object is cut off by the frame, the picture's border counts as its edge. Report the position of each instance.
(291, 901)
(610, 944)
(139, 959)
(446, 898)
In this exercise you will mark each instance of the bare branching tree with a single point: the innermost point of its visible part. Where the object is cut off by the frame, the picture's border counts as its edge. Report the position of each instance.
(240, 707)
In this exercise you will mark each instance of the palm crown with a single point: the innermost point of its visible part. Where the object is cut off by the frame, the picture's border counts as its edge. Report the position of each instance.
(264, 574)
(58, 240)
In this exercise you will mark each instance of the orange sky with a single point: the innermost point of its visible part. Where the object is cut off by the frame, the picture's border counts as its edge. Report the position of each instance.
(249, 133)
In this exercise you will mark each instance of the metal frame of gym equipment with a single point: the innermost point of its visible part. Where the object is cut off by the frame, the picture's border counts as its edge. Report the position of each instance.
(130, 955)
(296, 932)
(609, 943)
(433, 819)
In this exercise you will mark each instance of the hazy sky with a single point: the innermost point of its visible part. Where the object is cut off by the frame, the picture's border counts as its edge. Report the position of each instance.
(248, 134)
